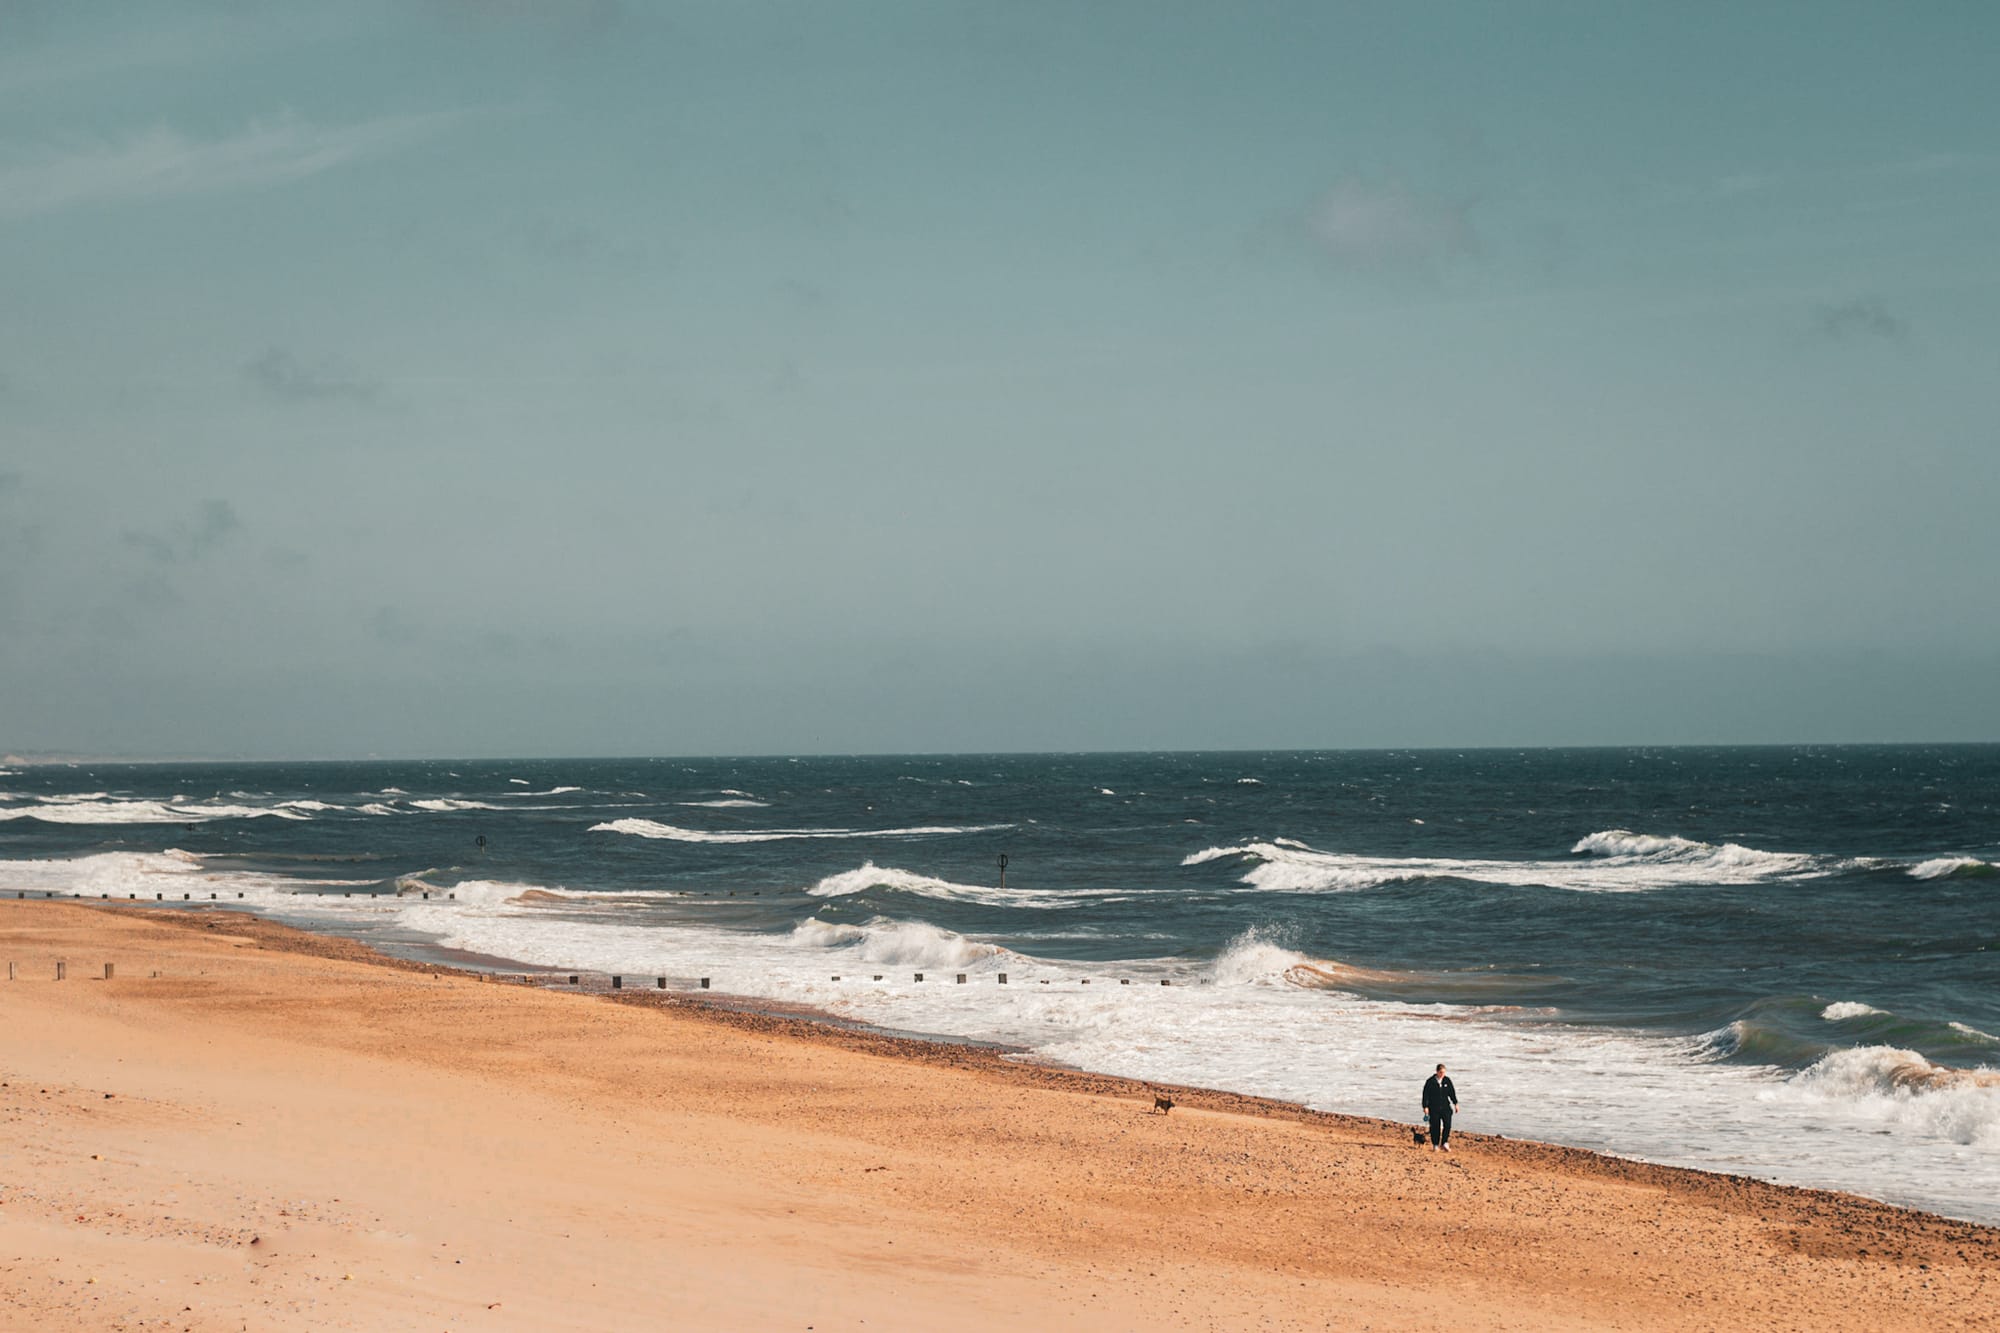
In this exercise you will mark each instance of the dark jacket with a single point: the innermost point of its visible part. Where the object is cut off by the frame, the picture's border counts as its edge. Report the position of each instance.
(1439, 1095)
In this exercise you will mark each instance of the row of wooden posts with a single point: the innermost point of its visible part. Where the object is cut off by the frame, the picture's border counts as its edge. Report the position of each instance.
(617, 979)
(130, 897)
(189, 897)
(62, 971)
(959, 978)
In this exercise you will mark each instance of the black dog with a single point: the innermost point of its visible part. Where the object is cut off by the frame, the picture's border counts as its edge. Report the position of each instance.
(1163, 1104)
(1417, 1136)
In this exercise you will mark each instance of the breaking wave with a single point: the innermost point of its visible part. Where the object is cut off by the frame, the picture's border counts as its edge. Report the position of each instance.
(1842, 1010)
(1255, 956)
(1728, 859)
(1621, 862)
(99, 808)
(1900, 1089)
(486, 892)
(652, 828)
(728, 803)
(871, 876)
(894, 943)
(1953, 867)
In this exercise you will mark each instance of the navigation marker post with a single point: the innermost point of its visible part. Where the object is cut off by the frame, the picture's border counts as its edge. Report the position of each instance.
(1003, 870)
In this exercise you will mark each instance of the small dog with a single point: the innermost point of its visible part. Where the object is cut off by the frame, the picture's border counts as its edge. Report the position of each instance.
(1418, 1135)
(1163, 1104)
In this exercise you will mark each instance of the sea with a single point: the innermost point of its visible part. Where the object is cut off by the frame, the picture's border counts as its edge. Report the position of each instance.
(1775, 962)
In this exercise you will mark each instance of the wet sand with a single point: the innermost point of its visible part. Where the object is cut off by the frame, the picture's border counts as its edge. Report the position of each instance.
(252, 1127)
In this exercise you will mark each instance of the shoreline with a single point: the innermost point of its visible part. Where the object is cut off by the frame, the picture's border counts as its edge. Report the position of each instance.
(756, 1014)
(806, 1023)
(256, 1125)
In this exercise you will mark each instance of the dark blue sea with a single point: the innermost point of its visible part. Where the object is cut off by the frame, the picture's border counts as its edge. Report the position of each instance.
(1783, 962)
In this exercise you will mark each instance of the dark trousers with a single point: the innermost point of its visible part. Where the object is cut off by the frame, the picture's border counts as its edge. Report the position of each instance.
(1440, 1126)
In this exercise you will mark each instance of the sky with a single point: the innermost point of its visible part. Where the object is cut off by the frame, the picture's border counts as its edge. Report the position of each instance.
(566, 377)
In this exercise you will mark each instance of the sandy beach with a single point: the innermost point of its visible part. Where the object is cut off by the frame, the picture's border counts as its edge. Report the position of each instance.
(248, 1127)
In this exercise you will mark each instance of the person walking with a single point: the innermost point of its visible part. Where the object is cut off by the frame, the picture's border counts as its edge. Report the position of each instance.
(1440, 1100)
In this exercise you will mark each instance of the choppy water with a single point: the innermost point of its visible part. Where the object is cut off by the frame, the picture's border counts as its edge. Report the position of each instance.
(1782, 962)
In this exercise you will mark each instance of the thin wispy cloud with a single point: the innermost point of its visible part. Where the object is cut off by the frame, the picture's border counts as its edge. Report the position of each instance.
(29, 65)
(1387, 225)
(1864, 317)
(575, 16)
(214, 522)
(162, 162)
(276, 373)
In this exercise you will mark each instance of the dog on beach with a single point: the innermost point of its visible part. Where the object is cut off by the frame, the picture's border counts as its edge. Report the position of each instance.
(1417, 1135)
(1163, 1104)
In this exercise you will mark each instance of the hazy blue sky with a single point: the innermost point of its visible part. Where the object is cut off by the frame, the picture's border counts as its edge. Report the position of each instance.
(577, 376)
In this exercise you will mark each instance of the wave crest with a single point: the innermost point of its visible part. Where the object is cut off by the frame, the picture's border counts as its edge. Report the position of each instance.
(1902, 1090)
(653, 828)
(1953, 867)
(894, 943)
(1729, 857)
(99, 808)
(871, 876)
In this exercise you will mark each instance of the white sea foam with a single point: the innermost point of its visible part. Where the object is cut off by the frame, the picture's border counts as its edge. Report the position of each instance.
(1731, 859)
(487, 892)
(1897, 1089)
(1842, 1010)
(553, 791)
(728, 803)
(115, 873)
(98, 808)
(444, 804)
(376, 808)
(141, 875)
(1256, 957)
(1966, 1029)
(1944, 867)
(870, 876)
(892, 943)
(1662, 1099)
(650, 828)
(1621, 862)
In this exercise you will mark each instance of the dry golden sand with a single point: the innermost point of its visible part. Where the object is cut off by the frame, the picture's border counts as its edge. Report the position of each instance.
(281, 1131)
